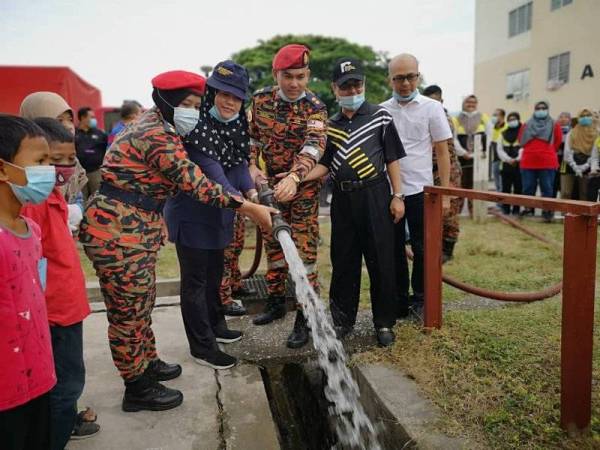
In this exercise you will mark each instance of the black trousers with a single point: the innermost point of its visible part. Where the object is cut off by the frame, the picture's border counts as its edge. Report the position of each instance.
(201, 273)
(361, 225)
(413, 217)
(592, 189)
(26, 427)
(511, 184)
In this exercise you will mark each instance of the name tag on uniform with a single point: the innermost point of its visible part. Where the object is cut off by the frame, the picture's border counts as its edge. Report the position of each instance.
(316, 124)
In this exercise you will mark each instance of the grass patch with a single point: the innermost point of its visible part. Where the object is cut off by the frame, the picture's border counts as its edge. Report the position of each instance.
(495, 373)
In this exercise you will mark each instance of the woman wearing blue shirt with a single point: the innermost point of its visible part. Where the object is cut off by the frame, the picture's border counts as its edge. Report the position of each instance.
(220, 146)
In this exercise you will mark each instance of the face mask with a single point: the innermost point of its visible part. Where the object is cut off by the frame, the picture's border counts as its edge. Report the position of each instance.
(585, 121)
(185, 119)
(565, 129)
(494, 120)
(540, 113)
(93, 123)
(408, 98)
(351, 102)
(40, 182)
(63, 173)
(214, 111)
(513, 123)
(470, 113)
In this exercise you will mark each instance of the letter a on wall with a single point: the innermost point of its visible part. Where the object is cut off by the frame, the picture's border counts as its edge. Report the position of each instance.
(587, 72)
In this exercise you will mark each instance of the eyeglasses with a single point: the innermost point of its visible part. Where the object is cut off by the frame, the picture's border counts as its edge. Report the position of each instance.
(402, 78)
(541, 108)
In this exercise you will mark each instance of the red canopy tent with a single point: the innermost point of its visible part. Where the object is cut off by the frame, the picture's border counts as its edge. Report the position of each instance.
(16, 82)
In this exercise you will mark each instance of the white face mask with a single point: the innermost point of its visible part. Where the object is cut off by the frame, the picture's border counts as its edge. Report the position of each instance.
(185, 119)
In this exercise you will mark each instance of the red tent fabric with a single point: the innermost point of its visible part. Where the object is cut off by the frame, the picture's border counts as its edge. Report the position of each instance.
(16, 82)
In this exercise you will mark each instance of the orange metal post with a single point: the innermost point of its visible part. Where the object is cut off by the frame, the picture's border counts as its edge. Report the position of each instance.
(433, 261)
(579, 282)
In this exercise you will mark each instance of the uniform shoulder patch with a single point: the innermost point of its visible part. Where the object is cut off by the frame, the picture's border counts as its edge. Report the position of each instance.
(314, 100)
(263, 90)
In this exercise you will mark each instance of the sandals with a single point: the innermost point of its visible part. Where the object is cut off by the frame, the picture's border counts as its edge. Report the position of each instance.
(85, 425)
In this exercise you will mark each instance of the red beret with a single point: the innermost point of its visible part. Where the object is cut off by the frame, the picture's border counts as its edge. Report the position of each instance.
(179, 79)
(292, 56)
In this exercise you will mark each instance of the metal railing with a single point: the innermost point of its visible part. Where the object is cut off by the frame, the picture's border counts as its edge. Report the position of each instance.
(579, 283)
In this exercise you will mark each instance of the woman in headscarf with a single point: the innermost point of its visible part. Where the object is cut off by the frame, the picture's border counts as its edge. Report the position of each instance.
(220, 146)
(122, 229)
(579, 145)
(509, 151)
(470, 125)
(540, 138)
(49, 104)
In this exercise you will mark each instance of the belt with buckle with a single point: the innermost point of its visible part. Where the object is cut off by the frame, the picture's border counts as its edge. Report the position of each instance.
(136, 199)
(357, 185)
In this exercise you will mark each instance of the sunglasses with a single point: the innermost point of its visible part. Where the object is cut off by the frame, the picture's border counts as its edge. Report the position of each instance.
(402, 78)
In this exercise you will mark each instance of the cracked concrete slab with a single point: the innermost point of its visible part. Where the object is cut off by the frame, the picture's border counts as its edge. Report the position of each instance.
(192, 426)
(247, 420)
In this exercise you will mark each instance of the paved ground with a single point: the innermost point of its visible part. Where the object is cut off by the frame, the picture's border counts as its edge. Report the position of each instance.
(220, 410)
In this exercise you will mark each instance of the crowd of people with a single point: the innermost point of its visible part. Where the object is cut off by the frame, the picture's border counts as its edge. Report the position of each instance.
(560, 157)
(188, 170)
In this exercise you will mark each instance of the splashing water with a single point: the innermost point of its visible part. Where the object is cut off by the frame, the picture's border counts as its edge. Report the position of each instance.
(353, 427)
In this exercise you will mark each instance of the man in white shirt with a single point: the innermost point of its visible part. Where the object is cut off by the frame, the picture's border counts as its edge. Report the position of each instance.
(423, 127)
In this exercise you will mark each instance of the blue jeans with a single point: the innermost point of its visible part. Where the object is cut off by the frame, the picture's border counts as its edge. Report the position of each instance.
(67, 345)
(545, 177)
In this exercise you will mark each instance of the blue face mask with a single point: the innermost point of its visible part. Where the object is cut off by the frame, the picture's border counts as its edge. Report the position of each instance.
(185, 119)
(540, 113)
(513, 123)
(214, 111)
(408, 98)
(93, 123)
(565, 129)
(351, 102)
(585, 121)
(40, 182)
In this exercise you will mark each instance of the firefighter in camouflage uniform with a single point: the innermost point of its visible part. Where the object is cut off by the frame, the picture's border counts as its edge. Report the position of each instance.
(231, 283)
(123, 229)
(288, 126)
(451, 226)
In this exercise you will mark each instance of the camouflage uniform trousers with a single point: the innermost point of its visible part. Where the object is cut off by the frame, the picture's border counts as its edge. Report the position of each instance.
(232, 277)
(451, 226)
(127, 281)
(302, 214)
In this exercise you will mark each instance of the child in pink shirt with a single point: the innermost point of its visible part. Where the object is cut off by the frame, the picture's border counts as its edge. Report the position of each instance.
(25, 346)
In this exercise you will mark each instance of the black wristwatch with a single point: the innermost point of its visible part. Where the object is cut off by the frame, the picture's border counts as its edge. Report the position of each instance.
(235, 202)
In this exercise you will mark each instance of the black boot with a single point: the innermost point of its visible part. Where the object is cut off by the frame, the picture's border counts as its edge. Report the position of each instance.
(447, 250)
(299, 336)
(275, 309)
(145, 393)
(162, 371)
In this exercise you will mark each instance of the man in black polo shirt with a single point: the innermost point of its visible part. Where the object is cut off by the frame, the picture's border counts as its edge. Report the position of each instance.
(90, 143)
(363, 150)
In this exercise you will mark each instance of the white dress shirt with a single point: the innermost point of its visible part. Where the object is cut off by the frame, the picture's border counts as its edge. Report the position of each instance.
(420, 123)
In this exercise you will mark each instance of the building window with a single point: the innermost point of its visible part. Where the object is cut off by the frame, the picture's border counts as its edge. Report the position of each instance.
(555, 4)
(519, 20)
(517, 85)
(558, 69)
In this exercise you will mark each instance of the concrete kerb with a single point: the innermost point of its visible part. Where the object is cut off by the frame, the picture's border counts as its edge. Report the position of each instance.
(164, 288)
(394, 402)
